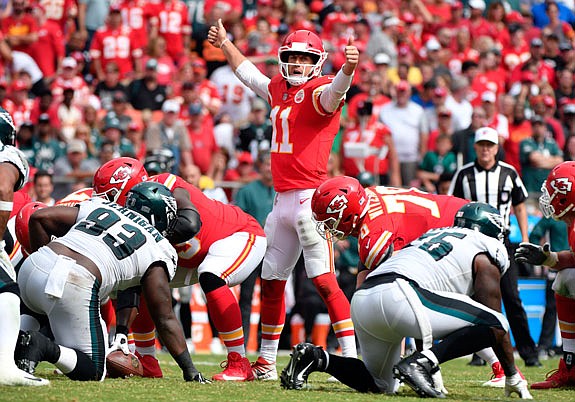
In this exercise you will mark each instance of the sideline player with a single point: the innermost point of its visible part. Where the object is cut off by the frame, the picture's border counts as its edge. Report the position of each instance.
(305, 112)
(226, 250)
(14, 173)
(424, 291)
(558, 202)
(101, 248)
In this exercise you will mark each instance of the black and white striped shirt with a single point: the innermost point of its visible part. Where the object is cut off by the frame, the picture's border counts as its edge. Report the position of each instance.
(499, 186)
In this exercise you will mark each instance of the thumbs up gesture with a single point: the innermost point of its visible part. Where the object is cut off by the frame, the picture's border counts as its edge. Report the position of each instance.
(351, 56)
(217, 34)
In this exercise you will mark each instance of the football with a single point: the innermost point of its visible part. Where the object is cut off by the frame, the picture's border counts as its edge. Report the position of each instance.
(120, 365)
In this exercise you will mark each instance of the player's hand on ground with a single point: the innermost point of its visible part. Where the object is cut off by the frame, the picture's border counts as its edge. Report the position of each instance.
(351, 56)
(120, 343)
(536, 254)
(196, 377)
(516, 384)
(217, 34)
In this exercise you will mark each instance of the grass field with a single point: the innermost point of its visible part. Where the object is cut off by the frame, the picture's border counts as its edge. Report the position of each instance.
(462, 381)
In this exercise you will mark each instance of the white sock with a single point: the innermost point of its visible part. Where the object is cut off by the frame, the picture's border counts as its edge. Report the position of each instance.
(348, 348)
(29, 323)
(269, 350)
(9, 327)
(430, 355)
(68, 360)
(488, 355)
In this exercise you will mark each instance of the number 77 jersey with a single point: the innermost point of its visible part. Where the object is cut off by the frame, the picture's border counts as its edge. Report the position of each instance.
(399, 216)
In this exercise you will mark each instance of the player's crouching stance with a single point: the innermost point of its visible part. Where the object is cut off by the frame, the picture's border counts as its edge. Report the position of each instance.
(102, 248)
(424, 291)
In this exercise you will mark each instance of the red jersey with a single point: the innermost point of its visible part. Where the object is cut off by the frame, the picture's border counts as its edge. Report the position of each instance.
(115, 45)
(135, 14)
(48, 48)
(303, 133)
(172, 21)
(218, 222)
(20, 199)
(373, 134)
(59, 11)
(399, 216)
(12, 26)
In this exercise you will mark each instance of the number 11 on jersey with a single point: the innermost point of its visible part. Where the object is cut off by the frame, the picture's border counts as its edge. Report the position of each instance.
(285, 146)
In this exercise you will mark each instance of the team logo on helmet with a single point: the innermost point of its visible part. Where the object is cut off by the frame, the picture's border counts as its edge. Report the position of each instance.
(562, 185)
(337, 204)
(121, 175)
(171, 206)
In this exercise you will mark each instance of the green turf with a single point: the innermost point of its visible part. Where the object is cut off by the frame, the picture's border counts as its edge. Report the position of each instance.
(462, 381)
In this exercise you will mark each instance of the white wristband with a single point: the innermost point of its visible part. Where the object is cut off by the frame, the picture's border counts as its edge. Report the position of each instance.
(6, 206)
(224, 41)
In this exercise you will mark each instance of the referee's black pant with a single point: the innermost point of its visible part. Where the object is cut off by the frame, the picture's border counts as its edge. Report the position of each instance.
(515, 312)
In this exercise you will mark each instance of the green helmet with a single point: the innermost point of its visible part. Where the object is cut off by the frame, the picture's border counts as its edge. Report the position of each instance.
(483, 217)
(7, 128)
(366, 179)
(156, 203)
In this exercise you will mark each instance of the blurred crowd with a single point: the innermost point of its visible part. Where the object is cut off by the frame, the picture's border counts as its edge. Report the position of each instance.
(87, 81)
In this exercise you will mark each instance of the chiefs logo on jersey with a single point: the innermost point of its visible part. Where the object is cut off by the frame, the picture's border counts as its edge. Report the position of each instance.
(121, 175)
(562, 185)
(337, 204)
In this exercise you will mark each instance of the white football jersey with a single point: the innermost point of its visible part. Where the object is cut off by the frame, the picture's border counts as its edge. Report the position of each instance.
(120, 242)
(10, 154)
(236, 97)
(442, 259)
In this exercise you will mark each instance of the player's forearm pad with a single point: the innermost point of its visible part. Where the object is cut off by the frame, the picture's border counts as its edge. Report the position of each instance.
(188, 224)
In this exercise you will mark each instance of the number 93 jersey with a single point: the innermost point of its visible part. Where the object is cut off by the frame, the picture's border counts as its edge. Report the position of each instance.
(399, 216)
(120, 242)
(10, 154)
(442, 259)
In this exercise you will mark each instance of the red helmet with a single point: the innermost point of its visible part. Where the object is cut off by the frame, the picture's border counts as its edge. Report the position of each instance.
(76, 197)
(337, 205)
(301, 41)
(115, 178)
(21, 224)
(558, 192)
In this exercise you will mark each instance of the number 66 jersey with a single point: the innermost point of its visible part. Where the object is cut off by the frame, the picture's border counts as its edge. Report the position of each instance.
(398, 216)
(442, 259)
(120, 242)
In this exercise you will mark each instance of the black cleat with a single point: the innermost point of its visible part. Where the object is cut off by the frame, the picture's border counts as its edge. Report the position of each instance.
(31, 349)
(305, 359)
(416, 371)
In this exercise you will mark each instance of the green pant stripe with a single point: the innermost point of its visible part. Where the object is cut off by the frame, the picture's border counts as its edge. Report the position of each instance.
(96, 333)
(456, 308)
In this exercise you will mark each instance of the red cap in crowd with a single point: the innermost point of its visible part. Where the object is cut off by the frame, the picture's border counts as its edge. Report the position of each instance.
(19, 85)
(402, 86)
(440, 92)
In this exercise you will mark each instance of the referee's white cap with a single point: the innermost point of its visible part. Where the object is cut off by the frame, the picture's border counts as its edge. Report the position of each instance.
(486, 134)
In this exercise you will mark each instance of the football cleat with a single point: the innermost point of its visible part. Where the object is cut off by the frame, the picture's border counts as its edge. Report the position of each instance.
(264, 371)
(416, 371)
(497, 378)
(151, 366)
(236, 368)
(561, 377)
(31, 348)
(305, 359)
(15, 376)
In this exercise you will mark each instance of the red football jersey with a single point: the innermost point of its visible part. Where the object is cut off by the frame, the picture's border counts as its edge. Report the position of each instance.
(218, 222)
(20, 199)
(303, 133)
(135, 14)
(400, 216)
(115, 45)
(172, 21)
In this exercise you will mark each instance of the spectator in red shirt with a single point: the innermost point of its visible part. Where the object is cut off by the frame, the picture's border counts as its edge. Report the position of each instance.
(544, 106)
(19, 28)
(201, 138)
(114, 42)
(209, 95)
(22, 104)
(519, 129)
(496, 17)
(62, 13)
(48, 50)
(518, 50)
(69, 78)
(170, 21)
(478, 26)
(264, 9)
(543, 71)
(136, 15)
(166, 69)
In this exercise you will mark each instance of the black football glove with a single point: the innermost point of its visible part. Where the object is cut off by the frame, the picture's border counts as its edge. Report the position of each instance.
(536, 255)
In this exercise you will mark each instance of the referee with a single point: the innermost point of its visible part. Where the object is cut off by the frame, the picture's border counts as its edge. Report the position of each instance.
(498, 184)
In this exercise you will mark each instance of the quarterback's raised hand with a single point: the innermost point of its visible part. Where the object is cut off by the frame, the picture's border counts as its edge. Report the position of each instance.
(351, 56)
(217, 34)
(536, 254)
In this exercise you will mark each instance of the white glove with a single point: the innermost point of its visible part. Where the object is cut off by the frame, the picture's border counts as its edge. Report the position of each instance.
(536, 254)
(120, 343)
(516, 384)
(438, 382)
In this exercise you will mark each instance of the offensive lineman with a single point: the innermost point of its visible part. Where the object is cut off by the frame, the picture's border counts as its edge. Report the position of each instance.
(424, 292)
(102, 248)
